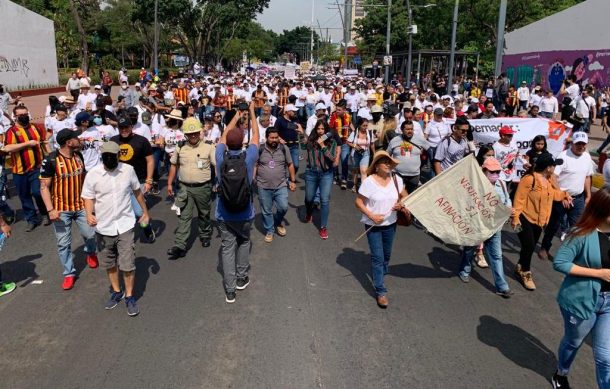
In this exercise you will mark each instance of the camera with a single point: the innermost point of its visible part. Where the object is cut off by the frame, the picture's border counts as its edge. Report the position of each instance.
(243, 106)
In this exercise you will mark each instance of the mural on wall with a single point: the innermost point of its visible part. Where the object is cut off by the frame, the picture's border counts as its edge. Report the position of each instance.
(550, 68)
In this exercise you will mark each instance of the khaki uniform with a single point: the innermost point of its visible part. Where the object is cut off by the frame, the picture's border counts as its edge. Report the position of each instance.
(194, 164)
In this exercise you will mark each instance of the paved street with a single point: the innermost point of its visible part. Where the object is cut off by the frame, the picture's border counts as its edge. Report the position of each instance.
(307, 320)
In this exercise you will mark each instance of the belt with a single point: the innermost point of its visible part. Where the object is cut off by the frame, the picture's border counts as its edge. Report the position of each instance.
(197, 185)
(578, 195)
(292, 142)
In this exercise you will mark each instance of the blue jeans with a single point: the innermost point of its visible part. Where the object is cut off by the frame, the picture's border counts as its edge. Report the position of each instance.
(575, 332)
(314, 180)
(557, 214)
(28, 186)
(380, 243)
(63, 233)
(585, 126)
(294, 154)
(158, 155)
(310, 110)
(345, 151)
(267, 198)
(493, 251)
(5, 209)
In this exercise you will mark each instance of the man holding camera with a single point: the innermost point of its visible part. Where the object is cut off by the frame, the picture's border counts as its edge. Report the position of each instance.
(289, 130)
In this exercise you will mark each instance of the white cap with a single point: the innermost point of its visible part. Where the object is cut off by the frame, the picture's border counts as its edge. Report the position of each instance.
(320, 106)
(97, 87)
(290, 107)
(474, 100)
(580, 136)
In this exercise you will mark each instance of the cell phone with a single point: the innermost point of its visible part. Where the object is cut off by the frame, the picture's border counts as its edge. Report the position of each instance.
(325, 137)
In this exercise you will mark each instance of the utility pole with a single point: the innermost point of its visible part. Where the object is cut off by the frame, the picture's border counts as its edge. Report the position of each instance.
(346, 38)
(387, 41)
(156, 40)
(453, 38)
(500, 41)
(313, 2)
(409, 57)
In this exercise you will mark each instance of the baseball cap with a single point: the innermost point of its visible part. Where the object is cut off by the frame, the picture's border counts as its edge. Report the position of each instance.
(146, 118)
(110, 147)
(81, 117)
(546, 159)
(474, 100)
(580, 137)
(290, 107)
(320, 106)
(65, 135)
(506, 130)
(132, 111)
(472, 108)
(492, 164)
(124, 122)
(97, 87)
(439, 111)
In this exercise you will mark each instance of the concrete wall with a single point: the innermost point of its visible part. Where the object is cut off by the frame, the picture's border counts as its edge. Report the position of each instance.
(27, 48)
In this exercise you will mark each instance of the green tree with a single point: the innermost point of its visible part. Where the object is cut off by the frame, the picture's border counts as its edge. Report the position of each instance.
(297, 41)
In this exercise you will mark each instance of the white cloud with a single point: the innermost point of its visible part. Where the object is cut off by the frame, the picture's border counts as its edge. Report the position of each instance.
(567, 68)
(596, 66)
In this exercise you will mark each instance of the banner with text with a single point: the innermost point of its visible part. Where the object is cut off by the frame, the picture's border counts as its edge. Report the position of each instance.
(460, 206)
(486, 132)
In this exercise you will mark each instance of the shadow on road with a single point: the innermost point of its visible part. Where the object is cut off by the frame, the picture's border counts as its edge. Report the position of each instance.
(21, 269)
(144, 266)
(519, 346)
(359, 264)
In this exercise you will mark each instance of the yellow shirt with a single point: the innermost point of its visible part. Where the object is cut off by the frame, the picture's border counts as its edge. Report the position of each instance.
(194, 162)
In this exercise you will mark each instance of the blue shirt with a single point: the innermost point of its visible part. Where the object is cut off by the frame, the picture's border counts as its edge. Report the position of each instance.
(251, 157)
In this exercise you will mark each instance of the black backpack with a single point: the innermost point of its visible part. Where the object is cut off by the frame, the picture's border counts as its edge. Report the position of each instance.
(235, 189)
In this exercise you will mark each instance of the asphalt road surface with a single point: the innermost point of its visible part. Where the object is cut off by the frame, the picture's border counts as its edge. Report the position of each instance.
(307, 319)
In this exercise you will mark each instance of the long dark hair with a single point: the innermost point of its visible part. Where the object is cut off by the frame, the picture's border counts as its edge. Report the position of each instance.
(481, 154)
(313, 136)
(538, 138)
(596, 212)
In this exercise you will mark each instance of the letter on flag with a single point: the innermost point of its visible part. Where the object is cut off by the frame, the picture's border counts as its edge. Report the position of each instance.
(460, 206)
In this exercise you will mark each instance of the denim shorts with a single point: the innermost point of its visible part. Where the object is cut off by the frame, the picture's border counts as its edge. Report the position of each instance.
(361, 159)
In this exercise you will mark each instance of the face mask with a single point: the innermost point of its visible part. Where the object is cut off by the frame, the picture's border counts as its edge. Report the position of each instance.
(110, 161)
(24, 120)
(97, 121)
(124, 86)
(492, 177)
(1, 90)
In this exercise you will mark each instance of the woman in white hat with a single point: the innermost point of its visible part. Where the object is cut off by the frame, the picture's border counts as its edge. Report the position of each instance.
(379, 199)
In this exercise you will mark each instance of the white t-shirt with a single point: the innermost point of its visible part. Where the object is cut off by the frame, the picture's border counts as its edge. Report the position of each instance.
(106, 132)
(573, 91)
(380, 200)
(436, 132)
(142, 130)
(572, 173)
(212, 135)
(417, 130)
(524, 93)
(507, 156)
(58, 125)
(535, 100)
(353, 101)
(91, 141)
(171, 138)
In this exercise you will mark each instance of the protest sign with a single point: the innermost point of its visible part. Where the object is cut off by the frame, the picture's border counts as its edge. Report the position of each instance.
(290, 73)
(460, 206)
(486, 132)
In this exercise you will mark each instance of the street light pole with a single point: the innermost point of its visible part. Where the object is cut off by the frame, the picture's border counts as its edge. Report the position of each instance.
(387, 42)
(409, 58)
(156, 40)
(453, 38)
(500, 42)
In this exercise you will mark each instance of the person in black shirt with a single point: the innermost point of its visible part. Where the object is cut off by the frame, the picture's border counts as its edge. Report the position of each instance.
(108, 117)
(538, 148)
(289, 131)
(135, 150)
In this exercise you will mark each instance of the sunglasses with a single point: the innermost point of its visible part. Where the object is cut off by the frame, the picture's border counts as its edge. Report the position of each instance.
(494, 171)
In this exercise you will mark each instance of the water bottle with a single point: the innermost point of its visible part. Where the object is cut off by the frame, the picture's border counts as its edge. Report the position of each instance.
(2, 239)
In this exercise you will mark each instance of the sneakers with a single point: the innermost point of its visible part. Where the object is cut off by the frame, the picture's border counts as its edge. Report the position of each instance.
(269, 237)
(155, 189)
(281, 230)
(543, 254)
(7, 287)
(149, 233)
(115, 298)
(382, 302)
(242, 283)
(527, 280)
(343, 185)
(206, 242)
(560, 381)
(230, 297)
(132, 307)
(31, 226)
(505, 293)
(92, 261)
(323, 233)
(465, 279)
(481, 262)
(68, 282)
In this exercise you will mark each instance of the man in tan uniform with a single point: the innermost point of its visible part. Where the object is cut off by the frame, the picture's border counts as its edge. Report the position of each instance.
(192, 162)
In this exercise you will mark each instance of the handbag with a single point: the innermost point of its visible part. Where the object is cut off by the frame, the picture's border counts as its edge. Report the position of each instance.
(403, 216)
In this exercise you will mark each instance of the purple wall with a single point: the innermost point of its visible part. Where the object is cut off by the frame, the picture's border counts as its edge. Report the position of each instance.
(550, 68)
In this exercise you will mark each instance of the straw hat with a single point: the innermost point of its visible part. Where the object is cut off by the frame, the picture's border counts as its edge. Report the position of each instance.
(175, 114)
(379, 155)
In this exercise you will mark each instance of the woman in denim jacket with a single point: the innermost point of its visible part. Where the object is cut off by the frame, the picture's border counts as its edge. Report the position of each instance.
(584, 296)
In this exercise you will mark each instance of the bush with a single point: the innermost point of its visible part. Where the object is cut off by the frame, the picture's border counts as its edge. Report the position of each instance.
(110, 62)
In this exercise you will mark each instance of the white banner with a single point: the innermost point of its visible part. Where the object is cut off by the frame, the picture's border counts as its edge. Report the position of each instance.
(486, 132)
(460, 206)
(290, 73)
